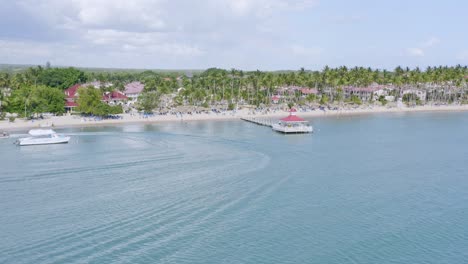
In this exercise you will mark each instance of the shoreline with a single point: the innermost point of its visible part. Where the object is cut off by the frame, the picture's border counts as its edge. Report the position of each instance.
(76, 121)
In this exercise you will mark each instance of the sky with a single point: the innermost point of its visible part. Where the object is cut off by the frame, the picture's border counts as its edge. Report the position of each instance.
(241, 34)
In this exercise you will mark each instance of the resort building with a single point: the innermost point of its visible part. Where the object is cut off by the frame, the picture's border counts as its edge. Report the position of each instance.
(114, 97)
(71, 96)
(369, 93)
(308, 91)
(275, 99)
(384, 91)
(421, 94)
(133, 91)
(364, 93)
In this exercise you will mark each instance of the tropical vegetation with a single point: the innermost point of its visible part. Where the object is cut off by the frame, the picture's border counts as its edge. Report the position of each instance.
(39, 89)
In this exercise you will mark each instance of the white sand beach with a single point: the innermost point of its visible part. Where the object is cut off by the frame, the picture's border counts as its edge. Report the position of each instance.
(75, 120)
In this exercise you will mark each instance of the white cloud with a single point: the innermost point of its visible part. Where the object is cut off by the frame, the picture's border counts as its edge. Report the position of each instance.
(347, 19)
(263, 7)
(431, 42)
(299, 50)
(113, 30)
(33, 52)
(153, 14)
(23, 49)
(423, 47)
(117, 14)
(415, 52)
(149, 42)
(463, 55)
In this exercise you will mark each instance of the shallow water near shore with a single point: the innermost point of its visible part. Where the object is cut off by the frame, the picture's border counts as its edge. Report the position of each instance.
(387, 188)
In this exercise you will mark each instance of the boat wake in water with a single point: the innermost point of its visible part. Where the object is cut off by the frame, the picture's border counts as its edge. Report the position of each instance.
(232, 192)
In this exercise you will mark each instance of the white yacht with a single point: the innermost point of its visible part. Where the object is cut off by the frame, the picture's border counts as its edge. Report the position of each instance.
(43, 137)
(292, 124)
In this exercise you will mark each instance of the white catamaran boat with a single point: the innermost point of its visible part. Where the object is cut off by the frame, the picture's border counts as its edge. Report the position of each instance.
(43, 137)
(292, 124)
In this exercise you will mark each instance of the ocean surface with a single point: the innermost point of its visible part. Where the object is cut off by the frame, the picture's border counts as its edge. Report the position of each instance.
(387, 188)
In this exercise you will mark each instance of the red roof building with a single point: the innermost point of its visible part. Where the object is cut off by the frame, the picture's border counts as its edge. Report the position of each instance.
(114, 97)
(275, 99)
(307, 91)
(70, 104)
(71, 95)
(292, 117)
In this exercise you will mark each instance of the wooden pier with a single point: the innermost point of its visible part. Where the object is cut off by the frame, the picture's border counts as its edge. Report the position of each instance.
(259, 121)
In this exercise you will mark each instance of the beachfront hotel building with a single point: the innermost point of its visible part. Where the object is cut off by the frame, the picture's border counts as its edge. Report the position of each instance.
(364, 93)
(309, 91)
(71, 96)
(370, 93)
(114, 98)
(275, 99)
(133, 91)
(421, 94)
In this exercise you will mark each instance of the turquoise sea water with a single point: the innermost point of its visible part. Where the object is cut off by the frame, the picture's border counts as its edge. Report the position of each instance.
(389, 188)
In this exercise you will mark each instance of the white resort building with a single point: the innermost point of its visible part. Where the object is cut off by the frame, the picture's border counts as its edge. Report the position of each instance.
(133, 90)
(421, 94)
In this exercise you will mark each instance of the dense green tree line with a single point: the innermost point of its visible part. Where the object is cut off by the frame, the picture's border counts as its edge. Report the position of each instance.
(30, 100)
(228, 87)
(90, 103)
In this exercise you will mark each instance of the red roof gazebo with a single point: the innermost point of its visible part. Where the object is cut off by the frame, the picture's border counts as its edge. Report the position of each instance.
(292, 118)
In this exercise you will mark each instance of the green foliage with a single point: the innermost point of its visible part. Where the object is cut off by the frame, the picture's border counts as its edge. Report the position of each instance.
(89, 101)
(355, 100)
(178, 100)
(151, 85)
(231, 106)
(3, 101)
(148, 101)
(104, 109)
(206, 105)
(2, 116)
(339, 95)
(382, 100)
(11, 119)
(311, 98)
(290, 105)
(35, 100)
(214, 72)
(115, 110)
(324, 99)
(61, 78)
(252, 87)
(411, 97)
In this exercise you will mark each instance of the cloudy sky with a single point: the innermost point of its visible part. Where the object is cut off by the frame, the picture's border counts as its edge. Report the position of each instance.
(244, 34)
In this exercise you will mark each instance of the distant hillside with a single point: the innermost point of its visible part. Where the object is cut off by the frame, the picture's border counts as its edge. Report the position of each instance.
(12, 68)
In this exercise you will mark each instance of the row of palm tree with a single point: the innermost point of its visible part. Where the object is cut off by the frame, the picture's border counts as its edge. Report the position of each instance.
(219, 86)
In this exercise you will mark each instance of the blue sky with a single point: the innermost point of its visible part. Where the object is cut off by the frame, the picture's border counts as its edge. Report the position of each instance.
(243, 34)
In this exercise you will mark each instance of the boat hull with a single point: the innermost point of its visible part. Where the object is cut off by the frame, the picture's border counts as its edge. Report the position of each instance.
(43, 141)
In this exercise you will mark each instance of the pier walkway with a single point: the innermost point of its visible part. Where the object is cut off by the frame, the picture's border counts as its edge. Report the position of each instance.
(259, 121)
